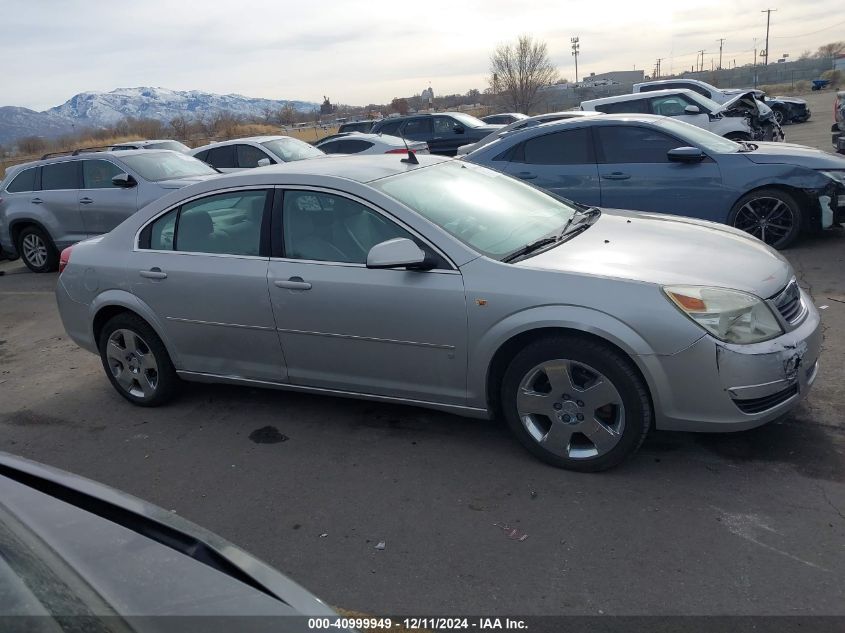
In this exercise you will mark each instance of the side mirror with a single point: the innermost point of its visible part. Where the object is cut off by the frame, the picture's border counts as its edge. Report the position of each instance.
(124, 181)
(686, 155)
(263, 162)
(459, 129)
(691, 109)
(398, 252)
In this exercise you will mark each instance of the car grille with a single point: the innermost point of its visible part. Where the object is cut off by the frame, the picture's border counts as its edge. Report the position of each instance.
(758, 405)
(789, 304)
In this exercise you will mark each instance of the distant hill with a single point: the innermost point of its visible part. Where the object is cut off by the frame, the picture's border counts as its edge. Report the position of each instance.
(98, 109)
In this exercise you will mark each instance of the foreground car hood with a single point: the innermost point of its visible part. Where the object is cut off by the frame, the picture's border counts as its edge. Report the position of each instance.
(178, 183)
(791, 154)
(666, 249)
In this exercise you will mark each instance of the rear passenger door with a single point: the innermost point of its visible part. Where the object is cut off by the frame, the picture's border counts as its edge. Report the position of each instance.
(561, 162)
(104, 205)
(56, 205)
(202, 268)
(222, 158)
(637, 174)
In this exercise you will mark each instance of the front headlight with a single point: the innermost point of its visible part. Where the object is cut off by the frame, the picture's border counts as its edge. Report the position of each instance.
(729, 315)
(837, 176)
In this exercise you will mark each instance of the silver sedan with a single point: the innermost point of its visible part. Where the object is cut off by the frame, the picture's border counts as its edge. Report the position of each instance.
(443, 284)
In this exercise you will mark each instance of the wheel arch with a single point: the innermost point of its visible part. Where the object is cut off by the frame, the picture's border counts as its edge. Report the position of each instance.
(19, 224)
(804, 198)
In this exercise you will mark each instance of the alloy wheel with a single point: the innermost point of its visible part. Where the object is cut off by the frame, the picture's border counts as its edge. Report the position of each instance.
(571, 409)
(766, 218)
(132, 363)
(34, 250)
(778, 116)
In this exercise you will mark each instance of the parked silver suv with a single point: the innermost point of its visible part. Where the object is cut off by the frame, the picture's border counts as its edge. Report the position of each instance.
(52, 203)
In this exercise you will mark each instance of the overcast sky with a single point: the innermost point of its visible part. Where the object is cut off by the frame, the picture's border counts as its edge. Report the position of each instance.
(359, 53)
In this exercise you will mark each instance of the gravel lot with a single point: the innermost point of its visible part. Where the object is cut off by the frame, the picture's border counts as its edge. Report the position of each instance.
(748, 523)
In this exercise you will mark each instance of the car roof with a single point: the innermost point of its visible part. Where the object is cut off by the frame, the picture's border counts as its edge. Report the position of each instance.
(641, 95)
(387, 139)
(659, 82)
(250, 139)
(360, 168)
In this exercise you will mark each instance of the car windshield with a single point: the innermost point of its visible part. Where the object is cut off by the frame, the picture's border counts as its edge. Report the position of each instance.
(703, 101)
(490, 212)
(696, 136)
(289, 149)
(176, 146)
(467, 120)
(157, 166)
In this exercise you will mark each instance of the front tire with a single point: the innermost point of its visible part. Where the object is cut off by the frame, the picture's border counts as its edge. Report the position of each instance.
(770, 215)
(37, 250)
(780, 116)
(136, 362)
(576, 403)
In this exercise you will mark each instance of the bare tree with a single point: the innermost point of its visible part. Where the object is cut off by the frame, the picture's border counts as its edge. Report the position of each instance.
(31, 145)
(287, 115)
(830, 51)
(180, 125)
(399, 105)
(519, 70)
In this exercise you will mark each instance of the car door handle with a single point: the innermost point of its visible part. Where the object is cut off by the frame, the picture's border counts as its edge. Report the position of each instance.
(616, 175)
(85, 201)
(294, 283)
(153, 273)
(526, 175)
(36, 201)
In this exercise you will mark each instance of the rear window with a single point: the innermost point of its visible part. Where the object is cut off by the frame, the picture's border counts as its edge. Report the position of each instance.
(24, 181)
(60, 176)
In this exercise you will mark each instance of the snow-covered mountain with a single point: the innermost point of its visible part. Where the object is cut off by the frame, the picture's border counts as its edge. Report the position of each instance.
(97, 109)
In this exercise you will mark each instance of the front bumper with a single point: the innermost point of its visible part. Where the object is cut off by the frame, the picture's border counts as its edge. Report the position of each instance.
(713, 386)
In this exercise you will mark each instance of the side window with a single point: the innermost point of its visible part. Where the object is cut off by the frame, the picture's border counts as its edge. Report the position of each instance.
(203, 155)
(695, 88)
(324, 227)
(418, 129)
(639, 106)
(669, 106)
(444, 126)
(24, 181)
(248, 156)
(634, 144)
(60, 176)
(573, 147)
(353, 146)
(391, 128)
(222, 157)
(226, 223)
(332, 147)
(158, 235)
(97, 174)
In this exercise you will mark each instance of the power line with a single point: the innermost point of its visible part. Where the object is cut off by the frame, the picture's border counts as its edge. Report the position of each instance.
(832, 26)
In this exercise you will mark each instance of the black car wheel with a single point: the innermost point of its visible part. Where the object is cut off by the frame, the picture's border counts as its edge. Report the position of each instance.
(37, 250)
(780, 116)
(771, 215)
(576, 403)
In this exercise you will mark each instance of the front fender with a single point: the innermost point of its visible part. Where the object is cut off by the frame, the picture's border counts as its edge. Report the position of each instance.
(122, 298)
(576, 318)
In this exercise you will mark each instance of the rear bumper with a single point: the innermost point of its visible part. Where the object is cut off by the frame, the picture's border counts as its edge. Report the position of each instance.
(75, 318)
(714, 386)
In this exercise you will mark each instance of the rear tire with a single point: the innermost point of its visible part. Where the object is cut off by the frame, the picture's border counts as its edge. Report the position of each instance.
(576, 403)
(136, 361)
(37, 250)
(771, 215)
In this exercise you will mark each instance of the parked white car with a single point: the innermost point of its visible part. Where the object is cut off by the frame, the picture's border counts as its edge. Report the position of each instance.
(524, 124)
(741, 119)
(254, 151)
(357, 143)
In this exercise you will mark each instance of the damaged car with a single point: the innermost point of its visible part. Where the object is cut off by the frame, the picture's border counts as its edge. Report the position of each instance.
(774, 191)
(743, 118)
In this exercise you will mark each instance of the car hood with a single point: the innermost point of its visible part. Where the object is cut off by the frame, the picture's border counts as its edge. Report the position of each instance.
(791, 154)
(666, 250)
(788, 100)
(178, 183)
(746, 100)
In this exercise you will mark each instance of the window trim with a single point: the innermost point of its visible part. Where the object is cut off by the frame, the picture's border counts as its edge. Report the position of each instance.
(277, 228)
(264, 243)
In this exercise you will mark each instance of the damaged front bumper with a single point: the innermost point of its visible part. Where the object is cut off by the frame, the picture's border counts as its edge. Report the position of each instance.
(714, 386)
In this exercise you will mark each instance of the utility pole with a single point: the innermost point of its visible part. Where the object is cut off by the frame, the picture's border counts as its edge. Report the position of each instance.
(576, 47)
(768, 13)
(721, 41)
(657, 67)
(701, 65)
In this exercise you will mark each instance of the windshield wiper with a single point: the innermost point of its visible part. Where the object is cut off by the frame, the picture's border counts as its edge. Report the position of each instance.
(530, 248)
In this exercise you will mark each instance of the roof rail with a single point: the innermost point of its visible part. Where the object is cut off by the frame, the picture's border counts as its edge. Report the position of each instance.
(77, 151)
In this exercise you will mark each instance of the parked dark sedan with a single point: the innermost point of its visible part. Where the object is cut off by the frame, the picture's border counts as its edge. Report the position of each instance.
(72, 550)
(444, 132)
(773, 191)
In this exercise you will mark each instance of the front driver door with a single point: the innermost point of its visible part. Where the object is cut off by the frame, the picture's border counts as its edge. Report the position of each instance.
(103, 204)
(637, 174)
(343, 326)
(560, 162)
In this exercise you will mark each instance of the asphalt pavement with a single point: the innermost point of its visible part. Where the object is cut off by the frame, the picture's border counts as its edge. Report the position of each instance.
(746, 523)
